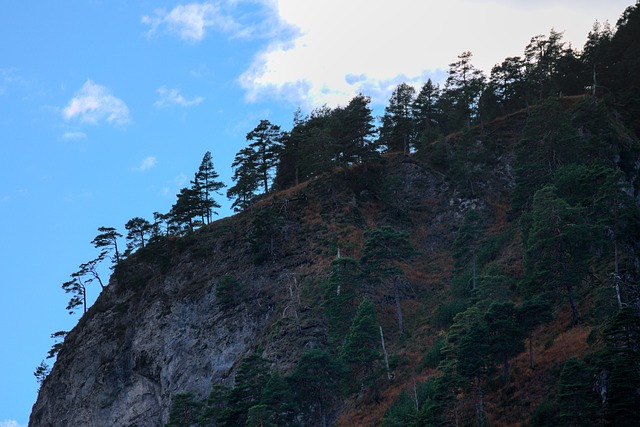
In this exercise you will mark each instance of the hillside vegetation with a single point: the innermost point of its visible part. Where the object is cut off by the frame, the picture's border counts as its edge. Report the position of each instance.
(474, 261)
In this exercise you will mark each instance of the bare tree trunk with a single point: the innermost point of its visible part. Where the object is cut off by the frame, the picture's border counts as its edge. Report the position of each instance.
(507, 373)
(574, 307)
(386, 356)
(396, 293)
(616, 271)
(531, 349)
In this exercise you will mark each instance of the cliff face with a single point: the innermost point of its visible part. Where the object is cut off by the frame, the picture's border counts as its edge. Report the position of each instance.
(160, 327)
(180, 315)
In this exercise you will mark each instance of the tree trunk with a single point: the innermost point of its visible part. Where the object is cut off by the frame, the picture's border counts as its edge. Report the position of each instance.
(398, 306)
(531, 365)
(386, 357)
(574, 306)
(479, 404)
(507, 373)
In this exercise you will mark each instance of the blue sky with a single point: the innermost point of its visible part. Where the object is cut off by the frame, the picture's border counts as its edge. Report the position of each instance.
(107, 107)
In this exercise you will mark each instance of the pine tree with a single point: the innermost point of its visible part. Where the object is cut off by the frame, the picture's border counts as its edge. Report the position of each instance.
(505, 335)
(576, 400)
(316, 380)
(465, 84)
(265, 142)
(621, 358)
(556, 255)
(426, 115)
(108, 239)
(206, 184)
(361, 349)
(138, 230)
(397, 131)
(246, 179)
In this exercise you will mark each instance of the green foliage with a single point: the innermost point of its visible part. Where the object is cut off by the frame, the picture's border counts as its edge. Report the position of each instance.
(434, 356)
(185, 410)
(576, 400)
(138, 231)
(397, 131)
(41, 373)
(251, 379)
(621, 359)
(361, 349)
(229, 291)
(264, 233)
(557, 247)
(316, 380)
(382, 250)
(340, 296)
(108, 239)
(548, 142)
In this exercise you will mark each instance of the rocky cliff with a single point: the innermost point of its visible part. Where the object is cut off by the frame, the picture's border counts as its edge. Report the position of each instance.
(160, 328)
(180, 315)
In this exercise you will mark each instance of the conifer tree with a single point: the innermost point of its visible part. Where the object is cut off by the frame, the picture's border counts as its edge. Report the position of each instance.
(426, 114)
(108, 239)
(397, 130)
(465, 84)
(265, 142)
(138, 230)
(206, 185)
(246, 179)
(316, 379)
(361, 349)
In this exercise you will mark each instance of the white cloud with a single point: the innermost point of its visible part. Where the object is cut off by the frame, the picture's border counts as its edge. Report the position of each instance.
(191, 21)
(146, 164)
(170, 97)
(10, 423)
(74, 136)
(343, 47)
(95, 103)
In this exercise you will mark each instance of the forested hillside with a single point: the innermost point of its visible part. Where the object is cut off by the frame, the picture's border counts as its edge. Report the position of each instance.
(472, 260)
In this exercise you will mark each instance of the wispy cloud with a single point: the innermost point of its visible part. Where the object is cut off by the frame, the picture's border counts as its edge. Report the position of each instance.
(94, 103)
(172, 188)
(170, 97)
(191, 21)
(9, 77)
(146, 164)
(74, 136)
(10, 423)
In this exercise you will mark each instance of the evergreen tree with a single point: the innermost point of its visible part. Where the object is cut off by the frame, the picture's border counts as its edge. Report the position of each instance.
(340, 296)
(353, 131)
(138, 230)
(397, 132)
(251, 379)
(206, 184)
(186, 210)
(557, 246)
(41, 373)
(465, 84)
(508, 81)
(621, 358)
(426, 115)
(576, 400)
(108, 239)
(533, 312)
(383, 249)
(505, 335)
(316, 380)
(265, 142)
(246, 179)
(360, 352)
(185, 410)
